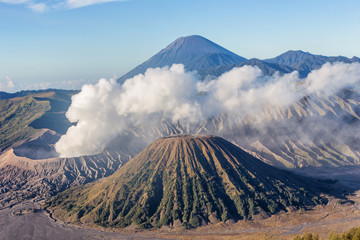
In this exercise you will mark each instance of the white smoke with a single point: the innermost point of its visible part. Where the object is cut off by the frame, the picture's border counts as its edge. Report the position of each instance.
(246, 89)
(105, 109)
(330, 78)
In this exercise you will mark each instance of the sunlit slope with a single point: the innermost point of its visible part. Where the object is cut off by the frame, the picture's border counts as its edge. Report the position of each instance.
(15, 116)
(189, 181)
(20, 117)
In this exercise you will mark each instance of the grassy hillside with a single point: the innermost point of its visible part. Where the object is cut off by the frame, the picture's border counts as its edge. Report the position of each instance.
(187, 181)
(21, 116)
(15, 116)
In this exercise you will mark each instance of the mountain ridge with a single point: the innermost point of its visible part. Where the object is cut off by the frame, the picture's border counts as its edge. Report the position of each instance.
(305, 62)
(210, 59)
(267, 68)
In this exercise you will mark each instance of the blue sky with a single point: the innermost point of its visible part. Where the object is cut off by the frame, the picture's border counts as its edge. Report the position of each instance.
(65, 43)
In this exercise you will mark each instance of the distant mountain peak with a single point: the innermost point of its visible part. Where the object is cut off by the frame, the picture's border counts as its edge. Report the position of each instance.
(195, 52)
(291, 57)
(355, 59)
(297, 52)
(305, 62)
(194, 45)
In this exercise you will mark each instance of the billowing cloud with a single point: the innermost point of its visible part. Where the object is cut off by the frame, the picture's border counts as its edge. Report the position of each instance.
(38, 7)
(10, 84)
(105, 109)
(246, 89)
(7, 84)
(332, 77)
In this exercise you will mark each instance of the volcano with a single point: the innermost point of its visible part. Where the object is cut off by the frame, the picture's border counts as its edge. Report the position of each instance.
(195, 52)
(190, 181)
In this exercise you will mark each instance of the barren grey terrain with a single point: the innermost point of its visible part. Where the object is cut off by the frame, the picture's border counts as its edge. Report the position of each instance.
(27, 221)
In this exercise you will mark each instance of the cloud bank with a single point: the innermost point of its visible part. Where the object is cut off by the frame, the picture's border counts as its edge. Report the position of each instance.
(43, 5)
(7, 84)
(105, 109)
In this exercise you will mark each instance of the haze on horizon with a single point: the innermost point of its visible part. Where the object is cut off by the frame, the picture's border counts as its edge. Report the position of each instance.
(65, 43)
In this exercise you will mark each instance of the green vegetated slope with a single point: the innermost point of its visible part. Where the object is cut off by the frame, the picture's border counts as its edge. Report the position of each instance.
(186, 181)
(20, 117)
(15, 116)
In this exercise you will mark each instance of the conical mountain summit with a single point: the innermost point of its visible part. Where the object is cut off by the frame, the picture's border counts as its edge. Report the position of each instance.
(195, 45)
(186, 181)
(195, 52)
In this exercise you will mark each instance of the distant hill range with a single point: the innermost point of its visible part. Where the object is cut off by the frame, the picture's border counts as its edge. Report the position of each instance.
(187, 181)
(305, 62)
(208, 58)
(24, 93)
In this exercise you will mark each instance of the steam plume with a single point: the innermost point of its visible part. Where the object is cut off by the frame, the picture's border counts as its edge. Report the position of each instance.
(105, 109)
